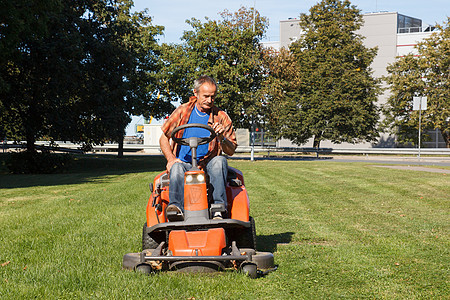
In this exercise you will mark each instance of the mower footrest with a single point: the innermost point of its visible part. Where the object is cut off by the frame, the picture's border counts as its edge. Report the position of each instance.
(217, 208)
(174, 216)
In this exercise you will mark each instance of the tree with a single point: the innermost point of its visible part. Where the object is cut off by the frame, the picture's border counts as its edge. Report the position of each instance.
(228, 50)
(121, 75)
(282, 78)
(335, 94)
(41, 53)
(78, 72)
(426, 74)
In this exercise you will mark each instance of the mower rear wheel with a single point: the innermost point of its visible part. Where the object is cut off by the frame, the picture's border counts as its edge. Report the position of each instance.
(196, 266)
(147, 241)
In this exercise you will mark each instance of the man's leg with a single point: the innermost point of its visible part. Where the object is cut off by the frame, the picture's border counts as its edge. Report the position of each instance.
(217, 169)
(176, 184)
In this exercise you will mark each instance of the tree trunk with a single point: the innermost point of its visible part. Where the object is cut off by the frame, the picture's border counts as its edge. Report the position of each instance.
(120, 148)
(31, 139)
(316, 143)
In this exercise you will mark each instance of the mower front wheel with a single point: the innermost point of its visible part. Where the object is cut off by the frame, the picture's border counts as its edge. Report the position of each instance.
(144, 268)
(250, 269)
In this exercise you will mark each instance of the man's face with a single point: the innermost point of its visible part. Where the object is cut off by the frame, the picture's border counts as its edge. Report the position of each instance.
(205, 97)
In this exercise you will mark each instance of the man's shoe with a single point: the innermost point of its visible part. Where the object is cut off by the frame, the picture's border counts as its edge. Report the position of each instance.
(217, 209)
(217, 215)
(174, 213)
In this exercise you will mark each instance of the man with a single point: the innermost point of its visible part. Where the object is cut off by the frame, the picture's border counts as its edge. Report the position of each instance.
(199, 109)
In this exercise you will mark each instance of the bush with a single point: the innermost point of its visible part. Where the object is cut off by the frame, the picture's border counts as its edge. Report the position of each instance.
(25, 162)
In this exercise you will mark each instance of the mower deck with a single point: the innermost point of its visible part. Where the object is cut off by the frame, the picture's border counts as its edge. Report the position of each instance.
(247, 260)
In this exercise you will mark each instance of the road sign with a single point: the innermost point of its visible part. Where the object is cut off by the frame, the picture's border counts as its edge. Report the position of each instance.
(419, 103)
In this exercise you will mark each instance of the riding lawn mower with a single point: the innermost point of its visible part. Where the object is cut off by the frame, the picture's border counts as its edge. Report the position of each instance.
(195, 241)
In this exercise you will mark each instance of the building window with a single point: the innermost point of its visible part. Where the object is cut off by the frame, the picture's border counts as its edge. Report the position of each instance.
(407, 24)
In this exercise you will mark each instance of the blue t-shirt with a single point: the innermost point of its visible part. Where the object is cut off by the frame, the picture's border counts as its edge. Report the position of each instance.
(184, 152)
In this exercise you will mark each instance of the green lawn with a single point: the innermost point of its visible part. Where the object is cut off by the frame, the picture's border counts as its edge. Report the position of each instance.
(337, 230)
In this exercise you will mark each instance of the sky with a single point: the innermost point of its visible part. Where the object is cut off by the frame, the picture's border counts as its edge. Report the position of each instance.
(172, 14)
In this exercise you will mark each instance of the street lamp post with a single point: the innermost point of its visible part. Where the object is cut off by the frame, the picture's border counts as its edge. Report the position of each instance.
(252, 137)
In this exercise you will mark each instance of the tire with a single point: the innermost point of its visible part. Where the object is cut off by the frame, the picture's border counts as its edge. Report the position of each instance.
(144, 269)
(147, 241)
(250, 270)
(247, 237)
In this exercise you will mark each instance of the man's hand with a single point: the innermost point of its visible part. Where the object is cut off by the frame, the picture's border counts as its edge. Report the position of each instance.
(227, 146)
(170, 164)
(219, 129)
(167, 151)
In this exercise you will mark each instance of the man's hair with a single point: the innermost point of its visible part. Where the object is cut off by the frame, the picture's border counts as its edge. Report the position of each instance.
(201, 80)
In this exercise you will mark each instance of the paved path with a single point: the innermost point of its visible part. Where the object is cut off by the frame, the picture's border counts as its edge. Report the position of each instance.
(414, 168)
(397, 160)
(376, 159)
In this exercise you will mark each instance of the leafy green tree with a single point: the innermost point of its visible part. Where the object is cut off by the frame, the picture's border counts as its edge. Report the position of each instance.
(20, 20)
(41, 56)
(77, 70)
(121, 74)
(228, 50)
(425, 74)
(282, 79)
(336, 92)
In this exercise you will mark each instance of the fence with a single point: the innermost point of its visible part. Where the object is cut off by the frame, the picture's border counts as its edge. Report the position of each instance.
(154, 149)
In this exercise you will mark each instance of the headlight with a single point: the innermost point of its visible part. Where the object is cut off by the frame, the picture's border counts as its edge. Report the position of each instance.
(189, 178)
(200, 178)
(195, 178)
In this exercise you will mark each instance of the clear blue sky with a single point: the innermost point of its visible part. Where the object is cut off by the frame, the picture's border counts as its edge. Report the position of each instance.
(172, 14)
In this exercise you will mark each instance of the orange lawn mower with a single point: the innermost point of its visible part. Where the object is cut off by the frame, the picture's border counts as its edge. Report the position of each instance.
(197, 242)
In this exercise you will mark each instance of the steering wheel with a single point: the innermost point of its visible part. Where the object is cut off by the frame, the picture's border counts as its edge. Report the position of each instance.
(200, 140)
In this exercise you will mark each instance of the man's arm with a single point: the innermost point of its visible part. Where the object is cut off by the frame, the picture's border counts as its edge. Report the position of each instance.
(164, 144)
(227, 146)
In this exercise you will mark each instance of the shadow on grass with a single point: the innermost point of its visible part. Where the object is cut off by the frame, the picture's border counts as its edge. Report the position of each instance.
(268, 243)
(84, 168)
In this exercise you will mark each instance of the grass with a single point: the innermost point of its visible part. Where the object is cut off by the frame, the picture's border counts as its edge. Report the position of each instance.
(338, 230)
